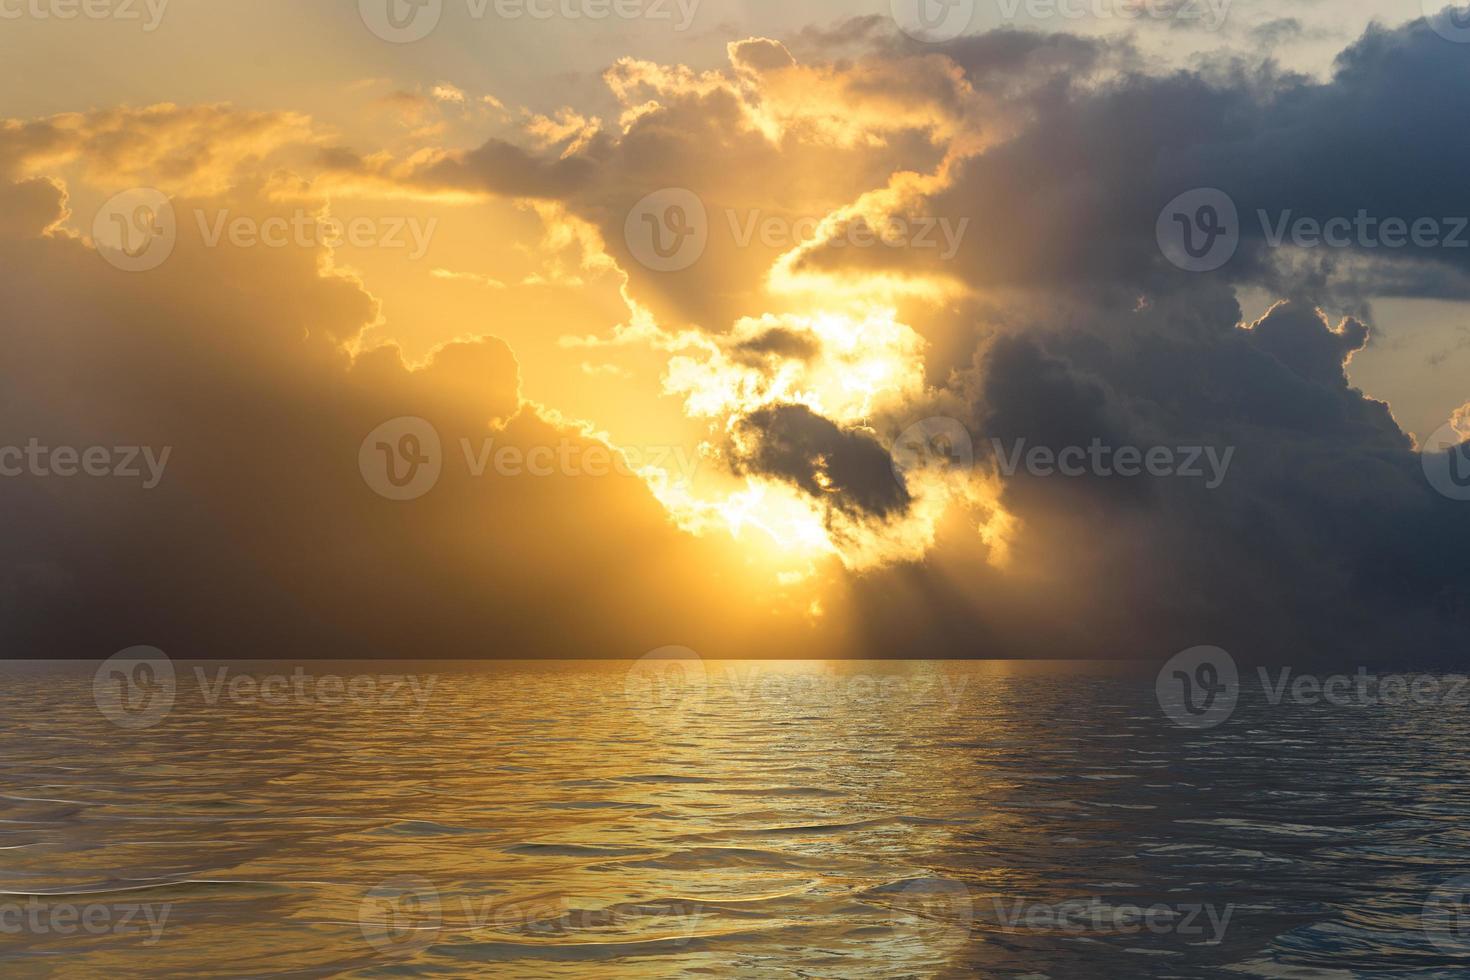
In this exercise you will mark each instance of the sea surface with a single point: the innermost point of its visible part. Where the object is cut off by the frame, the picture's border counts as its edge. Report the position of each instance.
(680, 818)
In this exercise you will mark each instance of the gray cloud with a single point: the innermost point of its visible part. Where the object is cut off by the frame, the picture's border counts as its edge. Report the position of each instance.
(844, 468)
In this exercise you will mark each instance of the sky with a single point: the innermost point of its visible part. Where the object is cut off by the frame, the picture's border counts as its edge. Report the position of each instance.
(588, 327)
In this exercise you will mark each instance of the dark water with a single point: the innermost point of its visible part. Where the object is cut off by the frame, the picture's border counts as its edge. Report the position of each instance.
(701, 820)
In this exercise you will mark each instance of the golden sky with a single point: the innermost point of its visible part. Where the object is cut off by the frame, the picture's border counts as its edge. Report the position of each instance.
(748, 248)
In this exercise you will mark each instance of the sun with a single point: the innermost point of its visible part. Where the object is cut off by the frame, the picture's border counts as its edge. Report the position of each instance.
(857, 368)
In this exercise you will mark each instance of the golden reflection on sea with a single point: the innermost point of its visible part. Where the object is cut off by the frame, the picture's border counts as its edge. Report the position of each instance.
(676, 817)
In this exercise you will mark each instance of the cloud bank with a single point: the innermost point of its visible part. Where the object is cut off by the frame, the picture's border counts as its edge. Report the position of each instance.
(1056, 321)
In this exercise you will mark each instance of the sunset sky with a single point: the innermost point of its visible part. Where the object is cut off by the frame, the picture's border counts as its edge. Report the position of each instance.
(733, 430)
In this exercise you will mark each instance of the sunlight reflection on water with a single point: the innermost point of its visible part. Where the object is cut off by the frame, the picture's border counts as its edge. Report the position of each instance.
(683, 817)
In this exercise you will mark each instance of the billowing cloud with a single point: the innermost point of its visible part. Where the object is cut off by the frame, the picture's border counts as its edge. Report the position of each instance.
(849, 467)
(239, 520)
(1271, 506)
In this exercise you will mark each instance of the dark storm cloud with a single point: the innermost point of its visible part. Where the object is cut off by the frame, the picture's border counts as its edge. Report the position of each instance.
(263, 538)
(1323, 542)
(1032, 399)
(1009, 59)
(844, 468)
(777, 342)
(1074, 197)
(504, 168)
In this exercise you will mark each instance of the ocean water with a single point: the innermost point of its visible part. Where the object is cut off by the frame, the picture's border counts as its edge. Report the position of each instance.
(676, 818)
